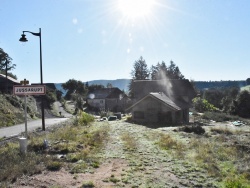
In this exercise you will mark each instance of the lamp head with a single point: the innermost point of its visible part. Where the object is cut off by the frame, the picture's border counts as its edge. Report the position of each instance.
(23, 38)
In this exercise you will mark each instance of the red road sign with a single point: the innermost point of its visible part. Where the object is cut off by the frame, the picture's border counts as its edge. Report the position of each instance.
(29, 90)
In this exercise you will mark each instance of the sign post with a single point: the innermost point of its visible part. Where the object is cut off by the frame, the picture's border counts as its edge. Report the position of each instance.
(25, 90)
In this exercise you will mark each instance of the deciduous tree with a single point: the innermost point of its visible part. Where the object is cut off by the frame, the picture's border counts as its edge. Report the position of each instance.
(74, 86)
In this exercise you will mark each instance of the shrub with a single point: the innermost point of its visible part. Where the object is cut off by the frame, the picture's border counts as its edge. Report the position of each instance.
(14, 165)
(234, 183)
(167, 142)
(88, 184)
(202, 105)
(85, 118)
(194, 128)
(129, 141)
(54, 165)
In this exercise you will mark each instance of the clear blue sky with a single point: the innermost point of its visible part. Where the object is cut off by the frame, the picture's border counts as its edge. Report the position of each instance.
(101, 39)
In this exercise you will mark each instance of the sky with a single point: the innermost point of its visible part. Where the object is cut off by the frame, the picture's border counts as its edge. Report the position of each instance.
(209, 40)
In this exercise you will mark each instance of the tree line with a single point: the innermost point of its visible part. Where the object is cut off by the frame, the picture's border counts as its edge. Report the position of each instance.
(159, 71)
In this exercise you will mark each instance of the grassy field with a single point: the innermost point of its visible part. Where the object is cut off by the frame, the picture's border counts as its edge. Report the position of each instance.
(122, 154)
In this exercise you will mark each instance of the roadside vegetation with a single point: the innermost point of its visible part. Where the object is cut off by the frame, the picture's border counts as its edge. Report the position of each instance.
(72, 146)
(12, 109)
(189, 156)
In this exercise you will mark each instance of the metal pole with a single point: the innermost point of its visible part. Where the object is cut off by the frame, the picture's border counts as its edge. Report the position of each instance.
(25, 109)
(6, 74)
(41, 74)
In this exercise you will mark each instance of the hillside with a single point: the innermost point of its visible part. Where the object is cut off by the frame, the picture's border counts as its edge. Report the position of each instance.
(201, 85)
(122, 84)
(12, 109)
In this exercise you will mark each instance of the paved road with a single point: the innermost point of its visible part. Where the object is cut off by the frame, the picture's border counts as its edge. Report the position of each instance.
(60, 108)
(32, 125)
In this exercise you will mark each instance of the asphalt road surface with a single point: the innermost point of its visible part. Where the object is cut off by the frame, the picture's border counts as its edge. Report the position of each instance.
(32, 125)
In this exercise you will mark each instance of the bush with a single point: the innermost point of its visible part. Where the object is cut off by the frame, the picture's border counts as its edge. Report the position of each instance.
(232, 183)
(85, 118)
(167, 142)
(88, 184)
(202, 105)
(54, 165)
(193, 129)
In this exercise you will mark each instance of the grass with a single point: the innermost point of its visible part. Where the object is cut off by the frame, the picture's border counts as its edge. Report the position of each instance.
(88, 184)
(16, 164)
(217, 155)
(129, 141)
(220, 117)
(223, 130)
(78, 143)
(149, 154)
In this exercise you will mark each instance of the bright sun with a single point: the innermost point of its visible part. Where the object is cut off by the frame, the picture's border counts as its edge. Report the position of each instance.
(135, 8)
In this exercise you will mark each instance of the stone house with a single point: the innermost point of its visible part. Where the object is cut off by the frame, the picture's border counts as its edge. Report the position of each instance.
(161, 101)
(108, 99)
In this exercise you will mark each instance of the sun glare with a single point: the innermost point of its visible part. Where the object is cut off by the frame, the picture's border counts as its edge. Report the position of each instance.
(135, 8)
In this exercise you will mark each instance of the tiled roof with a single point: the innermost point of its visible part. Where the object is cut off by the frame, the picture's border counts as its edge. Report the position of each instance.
(9, 78)
(103, 93)
(160, 96)
(165, 99)
(172, 88)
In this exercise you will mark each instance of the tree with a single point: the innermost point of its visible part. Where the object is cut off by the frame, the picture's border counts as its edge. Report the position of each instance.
(173, 71)
(5, 59)
(161, 71)
(202, 105)
(140, 71)
(248, 81)
(93, 87)
(229, 95)
(214, 96)
(241, 106)
(74, 86)
(109, 85)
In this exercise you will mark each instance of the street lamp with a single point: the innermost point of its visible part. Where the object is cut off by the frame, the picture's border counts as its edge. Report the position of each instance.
(24, 39)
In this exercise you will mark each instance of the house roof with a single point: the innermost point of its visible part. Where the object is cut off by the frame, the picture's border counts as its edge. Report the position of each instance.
(160, 96)
(171, 87)
(103, 93)
(2, 76)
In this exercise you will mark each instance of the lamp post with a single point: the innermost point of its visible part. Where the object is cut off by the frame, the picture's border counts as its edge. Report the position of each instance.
(24, 39)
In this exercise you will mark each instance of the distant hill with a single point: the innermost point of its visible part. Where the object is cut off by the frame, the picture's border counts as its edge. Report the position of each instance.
(201, 85)
(123, 84)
